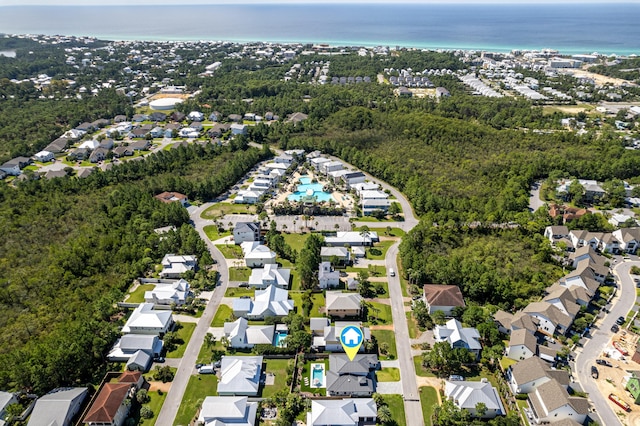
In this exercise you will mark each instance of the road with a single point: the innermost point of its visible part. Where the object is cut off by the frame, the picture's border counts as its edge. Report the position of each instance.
(167, 414)
(623, 303)
(534, 199)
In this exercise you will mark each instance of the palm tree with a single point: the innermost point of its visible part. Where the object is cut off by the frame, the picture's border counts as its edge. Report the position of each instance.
(364, 233)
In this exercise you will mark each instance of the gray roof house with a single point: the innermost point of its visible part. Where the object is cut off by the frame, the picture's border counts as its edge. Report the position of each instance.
(351, 378)
(129, 344)
(327, 277)
(343, 412)
(339, 304)
(228, 410)
(6, 399)
(458, 336)
(240, 375)
(242, 335)
(270, 302)
(466, 395)
(58, 407)
(270, 274)
(525, 376)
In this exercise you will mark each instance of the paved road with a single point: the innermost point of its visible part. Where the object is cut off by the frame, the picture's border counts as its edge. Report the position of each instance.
(167, 414)
(623, 303)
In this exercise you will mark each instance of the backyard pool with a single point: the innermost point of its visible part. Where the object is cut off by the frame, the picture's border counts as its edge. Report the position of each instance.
(278, 339)
(317, 375)
(307, 190)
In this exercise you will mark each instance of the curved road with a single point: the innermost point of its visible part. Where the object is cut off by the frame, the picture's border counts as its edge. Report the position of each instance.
(624, 301)
(167, 414)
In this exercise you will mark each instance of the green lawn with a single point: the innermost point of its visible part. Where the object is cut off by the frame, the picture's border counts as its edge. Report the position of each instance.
(204, 356)
(381, 313)
(239, 274)
(220, 209)
(306, 372)
(428, 399)
(414, 331)
(155, 404)
(138, 295)
(230, 251)
(374, 270)
(388, 374)
(420, 370)
(388, 337)
(396, 406)
(318, 302)
(296, 241)
(382, 232)
(222, 314)
(237, 292)
(506, 362)
(385, 286)
(184, 334)
(199, 387)
(279, 368)
(379, 251)
(213, 233)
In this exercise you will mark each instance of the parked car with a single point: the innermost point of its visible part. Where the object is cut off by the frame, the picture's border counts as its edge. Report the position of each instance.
(620, 320)
(594, 372)
(159, 359)
(615, 328)
(603, 362)
(456, 378)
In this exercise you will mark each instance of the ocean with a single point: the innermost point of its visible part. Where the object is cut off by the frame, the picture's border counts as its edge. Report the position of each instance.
(611, 28)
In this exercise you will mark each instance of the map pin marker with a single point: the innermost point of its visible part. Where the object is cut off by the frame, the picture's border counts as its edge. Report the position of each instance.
(351, 338)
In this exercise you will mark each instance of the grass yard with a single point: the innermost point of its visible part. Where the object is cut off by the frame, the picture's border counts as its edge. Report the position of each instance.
(239, 274)
(204, 356)
(214, 234)
(388, 337)
(396, 406)
(184, 333)
(379, 313)
(414, 331)
(138, 295)
(318, 302)
(237, 292)
(379, 251)
(428, 399)
(420, 370)
(373, 270)
(506, 362)
(222, 314)
(279, 368)
(306, 373)
(382, 232)
(220, 209)
(296, 241)
(199, 387)
(385, 286)
(230, 251)
(155, 404)
(388, 374)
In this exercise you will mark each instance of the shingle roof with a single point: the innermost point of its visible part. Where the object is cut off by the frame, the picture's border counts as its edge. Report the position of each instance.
(337, 300)
(524, 337)
(443, 295)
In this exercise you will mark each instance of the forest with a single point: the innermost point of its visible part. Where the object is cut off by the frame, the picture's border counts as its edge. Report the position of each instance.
(71, 247)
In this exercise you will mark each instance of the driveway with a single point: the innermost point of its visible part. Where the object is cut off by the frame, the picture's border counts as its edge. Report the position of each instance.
(534, 199)
(622, 304)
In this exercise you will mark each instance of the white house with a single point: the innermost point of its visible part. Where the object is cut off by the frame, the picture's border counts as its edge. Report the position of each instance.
(466, 395)
(458, 337)
(257, 255)
(353, 178)
(352, 238)
(620, 219)
(6, 399)
(270, 302)
(550, 402)
(241, 335)
(522, 345)
(341, 305)
(248, 197)
(195, 116)
(341, 254)
(58, 407)
(238, 129)
(146, 320)
(240, 375)
(342, 412)
(526, 375)
(127, 346)
(327, 337)
(246, 231)
(327, 277)
(440, 297)
(270, 274)
(318, 162)
(167, 294)
(550, 318)
(44, 156)
(227, 410)
(331, 166)
(173, 266)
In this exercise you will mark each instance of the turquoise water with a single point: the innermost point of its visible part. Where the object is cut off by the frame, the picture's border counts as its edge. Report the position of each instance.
(278, 340)
(306, 188)
(317, 376)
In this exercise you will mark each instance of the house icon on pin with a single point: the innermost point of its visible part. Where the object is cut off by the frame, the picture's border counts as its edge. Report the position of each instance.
(351, 336)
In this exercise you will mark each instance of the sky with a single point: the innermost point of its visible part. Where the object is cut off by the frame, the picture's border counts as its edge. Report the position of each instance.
(178, 2)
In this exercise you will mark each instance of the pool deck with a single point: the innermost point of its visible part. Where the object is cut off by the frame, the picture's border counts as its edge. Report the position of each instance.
(292, 184)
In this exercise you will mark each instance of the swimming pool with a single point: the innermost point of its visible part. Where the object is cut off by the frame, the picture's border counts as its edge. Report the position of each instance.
(309, 190)
(279, 339)
(317, 376)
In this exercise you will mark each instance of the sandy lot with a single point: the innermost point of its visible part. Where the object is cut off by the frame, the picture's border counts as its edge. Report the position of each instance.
(598, 78)
(169, 95)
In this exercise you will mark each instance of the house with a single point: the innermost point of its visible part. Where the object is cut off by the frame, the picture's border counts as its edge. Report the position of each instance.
(106, 144)
(353, 178)
(100, 123)
(270, 274)
(215, 116)
(296, 117)
(526, 375)
(336, 255)
(6, 399)
(551, 319)
(80, 154)
(327, 337)
(341, 305)
(238, 129)
(629, 239)
(563, 299)
(270, 302)
(352, 378)
(52, 174)
(119, 118)
(458, 337)
(556, 233)
(257, 255)
(171, 197)
(146, 320)
(342, 412)
(157, 116)
(327, 277)
(57, 146)
(58, 408)
(243, 336)
(522, 345)
(235, 118)
(318, 162)
(168, 294)
(443, 298)
(122, 151)
(85, 127)
(239, 375)
(44, 156)
(157, 132)
(195, 116)
(228, 410)
(551, 402)
(248, 197)
(177, 116)
(332, 166)
(110, 406)
(246, 231)
(173, 266)
(83, 173)
(14, 166)
(372, 200)
(129, 344)
(352, 238)
(466, 395)
(218, 130)
(143, 145)
(98, 154)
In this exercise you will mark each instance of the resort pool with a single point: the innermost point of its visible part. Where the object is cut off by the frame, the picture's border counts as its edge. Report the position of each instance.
(278, 339)
(311, 190)
(317, 376)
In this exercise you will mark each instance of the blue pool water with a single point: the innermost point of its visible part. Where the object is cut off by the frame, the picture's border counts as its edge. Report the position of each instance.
(306, 188)
(317, 375)
(278, 339)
